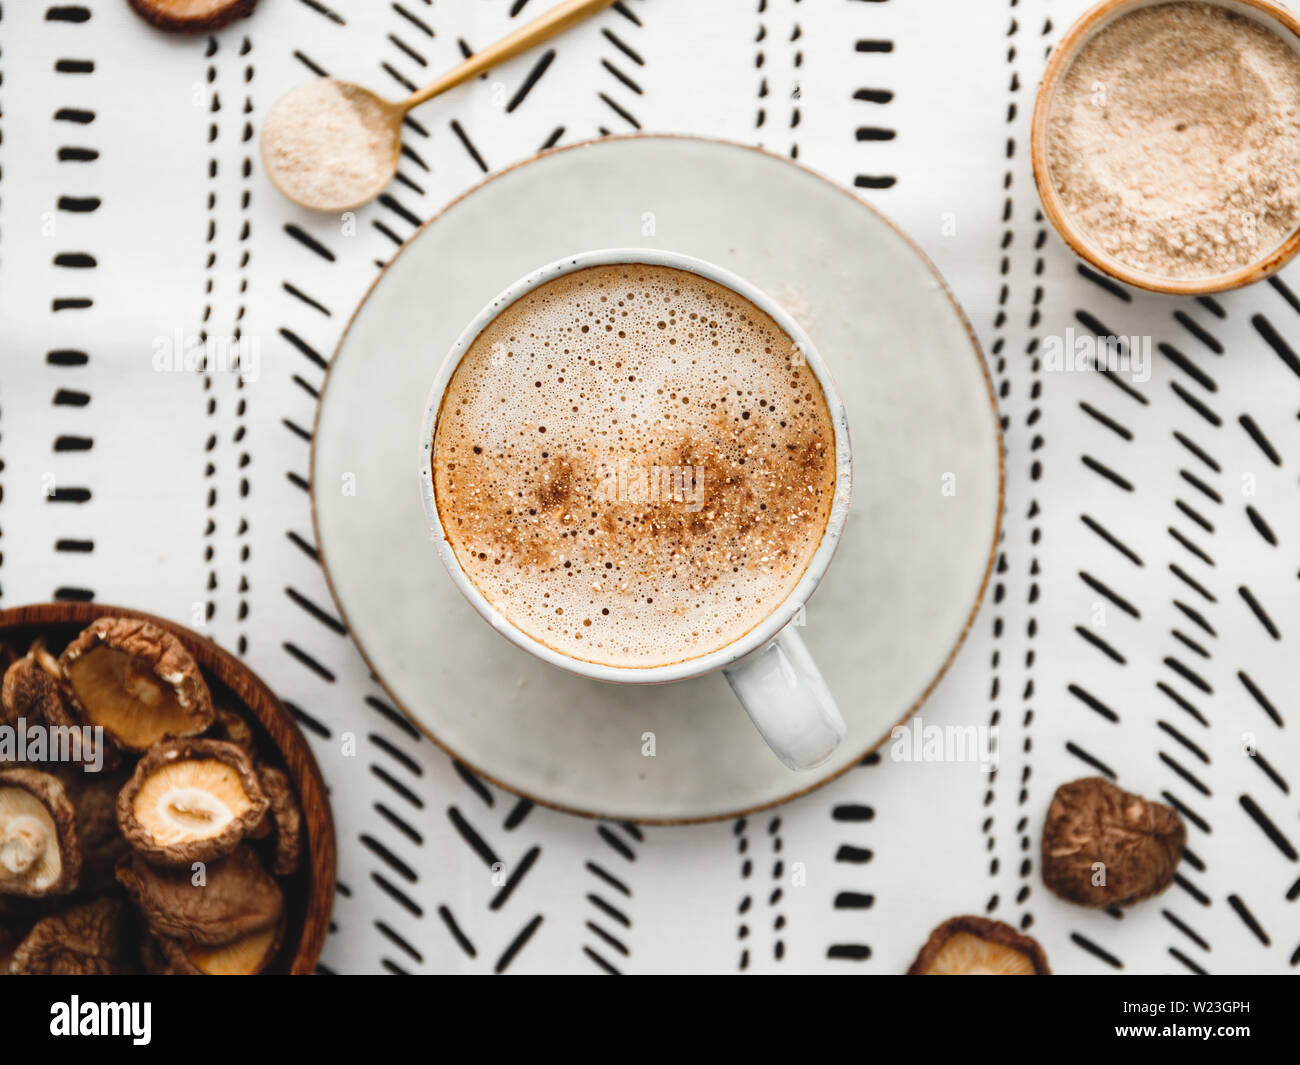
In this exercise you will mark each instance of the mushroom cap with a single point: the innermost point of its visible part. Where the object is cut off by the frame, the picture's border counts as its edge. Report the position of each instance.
(190, 801)
(28, 692)
(31, 693)
(135, 680)
(153, 960)
(247, 956)
(192, 16)
(210, 905)
(94, 799)
(971, 946)
(87, 940)
(286, 816)
(233, 727)
(1104, 846)
(39, 851)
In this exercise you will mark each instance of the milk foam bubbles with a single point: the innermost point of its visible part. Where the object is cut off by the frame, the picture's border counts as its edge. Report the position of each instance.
(634, 464)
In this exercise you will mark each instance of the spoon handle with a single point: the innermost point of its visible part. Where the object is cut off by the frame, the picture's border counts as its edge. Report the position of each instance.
(540, 29)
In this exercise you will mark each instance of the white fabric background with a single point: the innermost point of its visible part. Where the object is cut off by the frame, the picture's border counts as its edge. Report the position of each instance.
(198, 508)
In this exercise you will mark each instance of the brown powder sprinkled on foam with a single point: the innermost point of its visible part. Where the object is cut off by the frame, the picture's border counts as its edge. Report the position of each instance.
(549, 438)
(1174, 140)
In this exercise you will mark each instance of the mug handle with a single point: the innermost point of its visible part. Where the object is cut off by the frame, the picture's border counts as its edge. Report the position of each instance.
(786, 697)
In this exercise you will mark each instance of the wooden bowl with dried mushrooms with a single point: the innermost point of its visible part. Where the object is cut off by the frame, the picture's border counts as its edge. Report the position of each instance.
(160, 812)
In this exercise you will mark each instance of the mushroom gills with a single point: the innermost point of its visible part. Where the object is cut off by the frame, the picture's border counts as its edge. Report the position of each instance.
(244, 957)
(131, 703)
(26, 832)
(23, 843)
(968, 955)
(191, 799)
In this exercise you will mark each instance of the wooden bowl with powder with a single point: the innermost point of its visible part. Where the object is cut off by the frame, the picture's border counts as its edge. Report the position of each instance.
(1166, 141)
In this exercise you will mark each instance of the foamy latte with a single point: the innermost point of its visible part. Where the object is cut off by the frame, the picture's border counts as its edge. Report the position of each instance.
(634, 465)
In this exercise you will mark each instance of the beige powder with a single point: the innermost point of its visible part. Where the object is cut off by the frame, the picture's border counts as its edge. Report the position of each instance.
(328, 145)
(1174, 140)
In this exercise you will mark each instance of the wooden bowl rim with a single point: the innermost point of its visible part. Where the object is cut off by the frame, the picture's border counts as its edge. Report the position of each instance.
(299, 762)
(1079, 33)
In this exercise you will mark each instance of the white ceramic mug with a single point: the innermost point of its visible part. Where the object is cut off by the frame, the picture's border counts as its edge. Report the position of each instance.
(769, 668)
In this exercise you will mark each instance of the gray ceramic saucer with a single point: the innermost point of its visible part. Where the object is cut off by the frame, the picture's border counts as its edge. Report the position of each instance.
(908, 575)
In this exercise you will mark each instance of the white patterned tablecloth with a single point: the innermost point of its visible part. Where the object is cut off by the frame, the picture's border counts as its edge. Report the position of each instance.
(1142, 619)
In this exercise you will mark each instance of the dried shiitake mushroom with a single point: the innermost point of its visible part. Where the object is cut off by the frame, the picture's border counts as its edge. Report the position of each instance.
(162, 821)
(152, 959)
(39, 852)
(978, 946)
(94, 800)
(212, 906)
(286, 818)
(232, 726)
(192, 16)
(40, 654)
(29, 693)
(32, 694)
(136, 680)
(247, 956)
(1103, 846)
(190, 801)
(87, 940)
(56, 711)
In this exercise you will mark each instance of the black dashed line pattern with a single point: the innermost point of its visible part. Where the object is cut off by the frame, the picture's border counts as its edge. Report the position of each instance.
(75, 267)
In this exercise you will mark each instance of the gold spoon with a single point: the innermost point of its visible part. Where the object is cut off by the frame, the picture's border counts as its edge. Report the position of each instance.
(331, 145)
